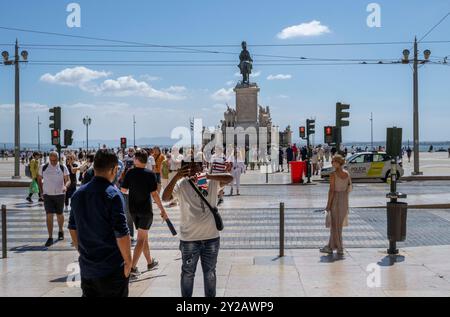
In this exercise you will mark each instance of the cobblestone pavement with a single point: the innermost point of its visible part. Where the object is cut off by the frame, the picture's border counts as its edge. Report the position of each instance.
(254, 228)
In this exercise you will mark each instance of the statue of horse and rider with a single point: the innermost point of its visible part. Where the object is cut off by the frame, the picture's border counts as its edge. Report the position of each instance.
(246, 64)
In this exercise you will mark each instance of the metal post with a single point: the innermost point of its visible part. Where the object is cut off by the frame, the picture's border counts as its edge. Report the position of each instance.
(393, 244)
(267, 172)
(39, 135)
(134, 131)
(281, 230)
(4, 235)
(371, 131)
(17, 114)
(416, 111)
(308, 160)
(87, 137)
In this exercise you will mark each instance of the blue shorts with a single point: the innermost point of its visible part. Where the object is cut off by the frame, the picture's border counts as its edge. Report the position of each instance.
(158, 178)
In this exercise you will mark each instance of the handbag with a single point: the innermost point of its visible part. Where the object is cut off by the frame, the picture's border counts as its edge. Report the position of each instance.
(214, 210)
(34, 187)
(350, 185)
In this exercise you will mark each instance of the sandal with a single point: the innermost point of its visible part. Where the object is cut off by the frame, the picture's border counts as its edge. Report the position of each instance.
(326, 250)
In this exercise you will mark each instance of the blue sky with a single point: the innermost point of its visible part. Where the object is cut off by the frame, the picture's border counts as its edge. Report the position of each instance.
(164, 97)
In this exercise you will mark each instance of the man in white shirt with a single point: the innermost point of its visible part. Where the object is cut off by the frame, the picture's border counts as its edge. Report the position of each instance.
(199, 237)
(54, 180)
(151, 163)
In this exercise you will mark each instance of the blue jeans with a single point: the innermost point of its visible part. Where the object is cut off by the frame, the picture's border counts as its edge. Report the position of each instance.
(191, 251)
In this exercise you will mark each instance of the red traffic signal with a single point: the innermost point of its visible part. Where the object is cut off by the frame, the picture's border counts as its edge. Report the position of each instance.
(123, 143)
(329, 135)
(55, 137)
(302, 132)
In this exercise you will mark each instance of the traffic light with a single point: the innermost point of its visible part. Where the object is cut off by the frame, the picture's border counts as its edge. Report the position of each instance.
(55, 119)
(55, 137)
(123, 143)
(302, 132)
(68, 137)
(394, 142)
(329, 135)
(341, 115)
(310, 127)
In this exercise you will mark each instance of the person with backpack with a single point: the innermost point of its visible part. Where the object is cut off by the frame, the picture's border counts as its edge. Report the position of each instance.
(54, 181)
(199, 232)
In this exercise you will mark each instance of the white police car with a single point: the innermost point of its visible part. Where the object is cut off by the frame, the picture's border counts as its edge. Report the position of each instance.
(367, 165)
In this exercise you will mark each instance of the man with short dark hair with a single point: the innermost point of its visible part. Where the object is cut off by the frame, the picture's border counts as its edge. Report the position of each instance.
(141, 186)
(99, 231)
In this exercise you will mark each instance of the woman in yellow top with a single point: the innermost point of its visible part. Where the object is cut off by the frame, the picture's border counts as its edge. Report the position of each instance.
(159, 158)
(34, 170)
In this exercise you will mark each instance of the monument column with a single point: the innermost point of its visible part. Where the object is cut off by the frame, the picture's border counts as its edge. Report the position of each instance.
(246, 105)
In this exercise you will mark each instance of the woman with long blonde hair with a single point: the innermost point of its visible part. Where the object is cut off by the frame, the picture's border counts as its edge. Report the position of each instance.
(337, 207)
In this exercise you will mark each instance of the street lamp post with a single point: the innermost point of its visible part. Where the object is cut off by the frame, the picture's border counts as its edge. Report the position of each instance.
(39, 135)
(416, 63)
(16, 61)
(371, 130)
(134, 131)
(87, 122)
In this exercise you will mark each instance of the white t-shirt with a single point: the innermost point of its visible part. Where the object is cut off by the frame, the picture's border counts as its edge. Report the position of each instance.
(53, 179)
(196, 221)
(150, 163)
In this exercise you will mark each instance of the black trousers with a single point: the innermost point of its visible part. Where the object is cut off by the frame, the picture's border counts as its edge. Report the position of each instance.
(113, 285)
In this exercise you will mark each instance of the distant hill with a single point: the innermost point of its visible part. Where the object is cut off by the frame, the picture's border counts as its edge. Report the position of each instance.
(141, 142)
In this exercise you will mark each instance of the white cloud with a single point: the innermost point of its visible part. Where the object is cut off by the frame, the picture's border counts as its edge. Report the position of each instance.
(230, 82)
(279, 77)
(176, 89)
(128, 86)
(223, 94)
(25, 107)
(313, 28)
(219, 106)
(124, 86)
(150, 78)
(77, 76)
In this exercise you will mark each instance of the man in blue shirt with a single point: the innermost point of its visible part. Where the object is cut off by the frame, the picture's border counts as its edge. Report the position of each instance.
(99, 231)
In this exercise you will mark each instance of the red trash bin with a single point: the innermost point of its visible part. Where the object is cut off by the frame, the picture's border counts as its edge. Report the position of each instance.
(297, 171)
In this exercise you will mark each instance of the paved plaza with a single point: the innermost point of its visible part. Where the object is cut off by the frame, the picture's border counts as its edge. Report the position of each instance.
(248, 263)
(418, 271)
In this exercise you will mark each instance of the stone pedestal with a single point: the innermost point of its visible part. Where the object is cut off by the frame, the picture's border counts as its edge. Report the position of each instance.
(246, 105)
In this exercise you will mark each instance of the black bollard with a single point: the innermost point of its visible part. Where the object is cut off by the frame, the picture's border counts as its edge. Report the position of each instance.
(281, 230)
(4, 236)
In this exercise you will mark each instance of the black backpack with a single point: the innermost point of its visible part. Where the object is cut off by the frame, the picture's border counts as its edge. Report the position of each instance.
(46, 166)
